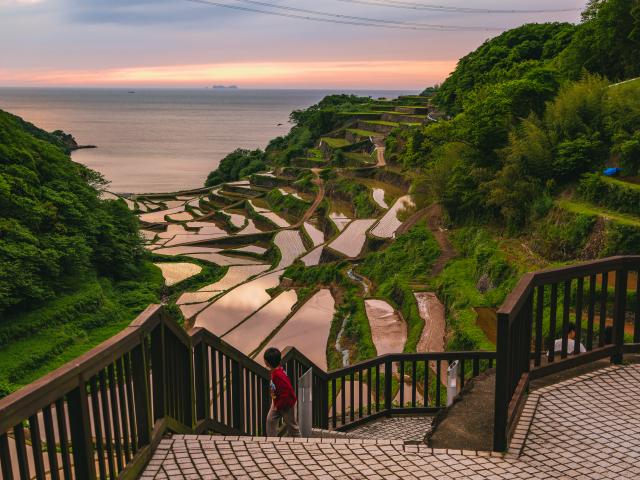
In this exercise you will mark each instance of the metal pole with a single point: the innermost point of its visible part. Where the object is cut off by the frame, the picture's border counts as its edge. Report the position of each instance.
(452, 382)
(305, 403)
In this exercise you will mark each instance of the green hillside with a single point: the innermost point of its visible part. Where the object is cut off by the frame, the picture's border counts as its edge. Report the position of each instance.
(68, 260)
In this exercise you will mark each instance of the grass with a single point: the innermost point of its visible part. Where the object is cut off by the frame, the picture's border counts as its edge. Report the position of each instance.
(414, 115)
(383, 122)
(619, 182)
(593, 210)
(335, 142)
(362, 133)
(71, 325)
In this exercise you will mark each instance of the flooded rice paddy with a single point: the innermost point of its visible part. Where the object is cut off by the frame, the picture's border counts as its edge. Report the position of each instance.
(340, 220)
(235, 276)
(177, 272)
(351, 240)
(378, 197)
(387, 226)
(315, 234)
(290, 245)
(388, 330)
(250, 334)
(313, 257)
(236, 305)
(308, 329)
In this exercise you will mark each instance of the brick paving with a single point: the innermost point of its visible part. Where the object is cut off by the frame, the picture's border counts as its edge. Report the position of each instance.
(409, 429)
(588, 427)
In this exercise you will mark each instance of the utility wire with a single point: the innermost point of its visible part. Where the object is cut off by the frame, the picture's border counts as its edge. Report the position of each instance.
(355, 18)
(339, 19)
(444, 8)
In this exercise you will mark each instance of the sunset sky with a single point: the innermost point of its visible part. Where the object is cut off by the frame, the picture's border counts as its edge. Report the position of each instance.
(179, 43)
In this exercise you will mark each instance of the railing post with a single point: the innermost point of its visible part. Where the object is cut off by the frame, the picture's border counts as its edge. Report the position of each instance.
(502, 381)
(388, 377)
(141, 395)
(78, 406)
(237, 396)
(158, 371)
(619, 316)
(201, 381)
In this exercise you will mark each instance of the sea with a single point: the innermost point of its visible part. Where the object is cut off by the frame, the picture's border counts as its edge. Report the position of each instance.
(163, 140)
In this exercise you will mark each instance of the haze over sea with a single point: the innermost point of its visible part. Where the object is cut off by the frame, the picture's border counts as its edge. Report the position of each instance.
(159, 140)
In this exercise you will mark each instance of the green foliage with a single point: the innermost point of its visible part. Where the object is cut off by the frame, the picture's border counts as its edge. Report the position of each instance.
(512, 55)
(561, 235)
(479, 258)
(54, 228)
(287, 204)
(47, 337)
(356, 194)
(607, 42)
(610, 193)
(238, 164)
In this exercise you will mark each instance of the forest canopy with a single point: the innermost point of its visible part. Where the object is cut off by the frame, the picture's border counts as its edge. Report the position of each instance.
(54, 228)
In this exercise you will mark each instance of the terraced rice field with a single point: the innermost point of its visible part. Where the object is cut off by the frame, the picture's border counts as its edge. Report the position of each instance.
(223, 260)
(378, 197)
(174, 229)
(249, 335)
(351, 240)
(275, 219)
(315, 234)
(236, 305)
(388, 330)
(189, 311)
(290, 245)
(387, 226)
(180, 217)
(250, 249)
(235, 276)
(340, 220)
(313, 257)
(186, 250)
(290, 192)
(187, 239)
(236, 219)
(195, 297)
(173, 203)
(250, 229)
(148, 235)
(158, 217)
(177, 272)
(308, 329)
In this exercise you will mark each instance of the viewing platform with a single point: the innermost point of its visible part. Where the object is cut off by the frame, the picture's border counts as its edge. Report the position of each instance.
(156, 401)
(585, 427)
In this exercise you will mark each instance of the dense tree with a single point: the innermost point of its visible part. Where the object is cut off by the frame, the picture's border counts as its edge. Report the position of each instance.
(239, 163)
(54, 228)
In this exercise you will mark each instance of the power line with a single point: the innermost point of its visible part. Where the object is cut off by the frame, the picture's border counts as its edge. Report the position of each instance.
(444, 8)
(355, 18)
(339, 19)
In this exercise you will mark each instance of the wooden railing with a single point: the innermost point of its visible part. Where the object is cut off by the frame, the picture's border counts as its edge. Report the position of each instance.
(397, 384)
(102, 415)
(594, 296)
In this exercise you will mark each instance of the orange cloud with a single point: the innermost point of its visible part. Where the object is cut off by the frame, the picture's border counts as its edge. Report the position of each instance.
(321, 74)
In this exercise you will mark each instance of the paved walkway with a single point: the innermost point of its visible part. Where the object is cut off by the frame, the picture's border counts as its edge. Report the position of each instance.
(408, 429)
(587, 427)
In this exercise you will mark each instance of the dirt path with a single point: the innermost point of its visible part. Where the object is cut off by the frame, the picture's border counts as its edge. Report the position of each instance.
(309, 213)
(380, 152)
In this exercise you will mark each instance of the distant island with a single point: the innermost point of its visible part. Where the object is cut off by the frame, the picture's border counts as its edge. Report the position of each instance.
(224, 87)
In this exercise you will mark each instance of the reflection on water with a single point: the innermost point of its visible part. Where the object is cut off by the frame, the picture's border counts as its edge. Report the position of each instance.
(308, 329)
(388, 330)
(238, 304)
(487, 320)
(251, 333)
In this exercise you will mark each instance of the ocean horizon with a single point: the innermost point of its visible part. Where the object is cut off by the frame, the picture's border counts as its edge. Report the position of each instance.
(163, 139)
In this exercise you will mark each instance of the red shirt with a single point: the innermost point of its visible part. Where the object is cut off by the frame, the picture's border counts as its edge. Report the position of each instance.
(281, 390)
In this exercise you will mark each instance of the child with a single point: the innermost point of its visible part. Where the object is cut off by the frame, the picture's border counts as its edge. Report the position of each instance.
(284, 398)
